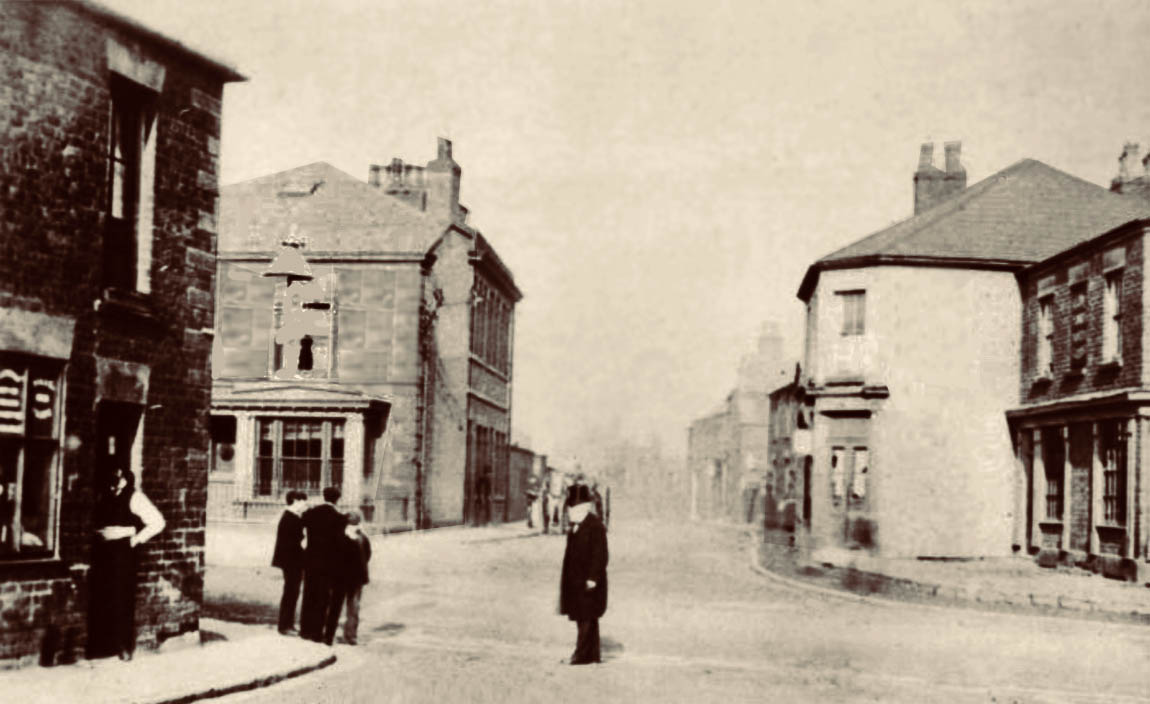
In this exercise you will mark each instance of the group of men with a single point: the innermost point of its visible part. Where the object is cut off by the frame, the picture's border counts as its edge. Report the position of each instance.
(331, 563)
(550, 493)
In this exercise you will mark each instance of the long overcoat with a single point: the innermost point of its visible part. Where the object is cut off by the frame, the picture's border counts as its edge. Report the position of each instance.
(324, 525)
(584, 559)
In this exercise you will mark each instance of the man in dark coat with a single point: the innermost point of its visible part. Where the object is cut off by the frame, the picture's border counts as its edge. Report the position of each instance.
(324, 524)
(288, 556)
(353, 574)
(583, 584)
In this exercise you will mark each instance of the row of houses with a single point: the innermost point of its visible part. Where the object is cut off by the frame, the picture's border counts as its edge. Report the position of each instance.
(152, 322)
(975, 377)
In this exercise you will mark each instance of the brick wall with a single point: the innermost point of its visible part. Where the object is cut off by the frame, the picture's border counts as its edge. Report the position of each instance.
(53, 194)
(1093, 377)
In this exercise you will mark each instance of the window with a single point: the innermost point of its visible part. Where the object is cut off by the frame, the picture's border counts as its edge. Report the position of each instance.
(131, 160)
(223, 439)
(491, 328)
(1045, 354)
(29, 455)
(859, 477)
(1112, 319)
(838, 474)
(1113, 451)
(300, 454)
(1053, 458)
(302, 321)
(1079, 326)
(854, 312)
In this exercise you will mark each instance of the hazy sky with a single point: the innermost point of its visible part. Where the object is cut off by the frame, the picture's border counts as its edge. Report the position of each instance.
(659, 174)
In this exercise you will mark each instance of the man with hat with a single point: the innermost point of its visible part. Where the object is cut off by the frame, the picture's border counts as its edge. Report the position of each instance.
(583, 583)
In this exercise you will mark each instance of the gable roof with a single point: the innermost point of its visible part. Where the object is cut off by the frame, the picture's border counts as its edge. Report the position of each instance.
(1023, 214)
(333, 211)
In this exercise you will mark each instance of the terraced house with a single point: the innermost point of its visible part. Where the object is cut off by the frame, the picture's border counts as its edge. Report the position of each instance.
(109, 152)
(372, 352)
(1082, 429)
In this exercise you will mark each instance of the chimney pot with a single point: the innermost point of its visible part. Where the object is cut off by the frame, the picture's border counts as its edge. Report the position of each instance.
(953, 154)
(373, 174)
(1130, 152)
(444, 149)
(926, 155)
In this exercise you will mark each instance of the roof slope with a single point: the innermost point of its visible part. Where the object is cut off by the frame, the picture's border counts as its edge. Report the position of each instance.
(333, 211)
(1023, 214)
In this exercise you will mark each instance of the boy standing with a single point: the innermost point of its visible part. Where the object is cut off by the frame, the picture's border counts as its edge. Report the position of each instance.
(288, 556)
(355, 573)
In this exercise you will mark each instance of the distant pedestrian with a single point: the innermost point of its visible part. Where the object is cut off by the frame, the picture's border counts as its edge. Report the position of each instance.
(324, 525)
(583, 582)
(288, 556)
(354, 575)
(123, 519)
(532, 493)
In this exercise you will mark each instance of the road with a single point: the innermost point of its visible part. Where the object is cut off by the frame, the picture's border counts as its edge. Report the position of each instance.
(461, 615)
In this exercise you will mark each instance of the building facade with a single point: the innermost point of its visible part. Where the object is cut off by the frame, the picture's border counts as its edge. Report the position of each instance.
(911, 359)
(787, 502)
(727, 450)
(110, 151)
(387, 374)
(1082, 429)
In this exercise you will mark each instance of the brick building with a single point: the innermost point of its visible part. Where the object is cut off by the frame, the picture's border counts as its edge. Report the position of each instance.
(388, 374)
(1080, 433)
(107, 231)
(519, 468)
(912, 358)
(788, 498)
(727, 449)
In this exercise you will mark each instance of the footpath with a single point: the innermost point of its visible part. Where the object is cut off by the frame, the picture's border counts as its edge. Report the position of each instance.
(223, 658)
(1007, 584)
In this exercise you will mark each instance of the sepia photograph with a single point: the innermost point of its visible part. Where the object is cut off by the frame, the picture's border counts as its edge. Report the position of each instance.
(435, 351)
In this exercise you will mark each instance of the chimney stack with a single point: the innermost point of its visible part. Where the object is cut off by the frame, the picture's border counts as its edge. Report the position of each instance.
(933, 185)
(443, 176)
(373, 175)
(1128, 181)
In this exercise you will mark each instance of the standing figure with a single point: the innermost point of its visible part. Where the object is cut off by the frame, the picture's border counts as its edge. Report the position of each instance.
(324, 524)
(357, 553)
(288, 556)
(123, 519)
(583, 583)
(532, 493)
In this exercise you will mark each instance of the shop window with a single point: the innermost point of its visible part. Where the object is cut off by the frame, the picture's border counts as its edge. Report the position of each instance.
(860, 467)
(29, 455)
(223, 430)
(1053, 459)
(838, 474)
(301, 454)
(1113, 451)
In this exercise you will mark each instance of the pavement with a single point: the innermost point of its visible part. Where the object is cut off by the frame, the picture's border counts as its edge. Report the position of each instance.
(1014, 584)
(222, 658)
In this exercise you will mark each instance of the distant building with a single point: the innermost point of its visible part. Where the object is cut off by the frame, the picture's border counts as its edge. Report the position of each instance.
(788, 497)
(388, 374)
(911, 358)
(1080, 432)
(109, 149)
(727, 450)
(519, 469)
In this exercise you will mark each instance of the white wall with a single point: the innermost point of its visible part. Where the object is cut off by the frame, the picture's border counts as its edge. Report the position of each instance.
(945, 344)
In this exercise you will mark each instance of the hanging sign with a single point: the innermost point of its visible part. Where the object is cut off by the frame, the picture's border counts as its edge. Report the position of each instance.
(11, 401)
(42, 407)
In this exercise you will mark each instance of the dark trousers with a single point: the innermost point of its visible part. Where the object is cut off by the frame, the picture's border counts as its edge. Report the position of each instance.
(351, 614)
(322, 599)
(292, 577)
(111, 599)
(587, 643)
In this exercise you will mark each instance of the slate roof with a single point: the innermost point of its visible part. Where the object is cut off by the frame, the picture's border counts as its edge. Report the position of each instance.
(333, 210)
(1023, 214)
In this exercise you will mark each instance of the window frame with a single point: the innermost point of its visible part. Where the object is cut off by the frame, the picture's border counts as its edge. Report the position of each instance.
(1112, 317)
(852, 303)
(127, 247)
(326, 427)
(1044, 338)
(52, 372)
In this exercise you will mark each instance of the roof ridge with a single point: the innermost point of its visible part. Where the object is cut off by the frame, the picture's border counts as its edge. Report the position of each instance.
(933, 214)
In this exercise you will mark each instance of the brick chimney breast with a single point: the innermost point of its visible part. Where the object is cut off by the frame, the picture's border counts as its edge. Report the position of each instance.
(933, 185)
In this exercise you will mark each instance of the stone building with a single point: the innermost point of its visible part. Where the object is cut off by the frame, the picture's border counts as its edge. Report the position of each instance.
(1080, 432)
(109, 153)
(788, 498)
(727, 450)
(388, 373)
(912, 358)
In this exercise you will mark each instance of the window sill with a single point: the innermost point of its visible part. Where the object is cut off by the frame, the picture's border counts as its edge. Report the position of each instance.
(487, 365)
(1110, 366)
(845, 380)
(132, 304)
(30, 567)
(1041, 380)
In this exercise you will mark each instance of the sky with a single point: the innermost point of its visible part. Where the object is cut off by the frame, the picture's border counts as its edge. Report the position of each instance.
(659, 174)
